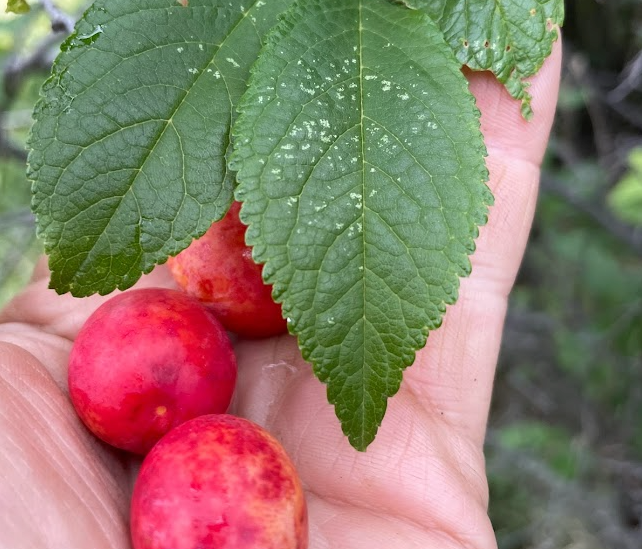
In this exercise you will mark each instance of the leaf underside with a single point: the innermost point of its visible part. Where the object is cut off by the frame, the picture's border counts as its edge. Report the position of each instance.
(361, 169)
(130, 142)
(511, 38)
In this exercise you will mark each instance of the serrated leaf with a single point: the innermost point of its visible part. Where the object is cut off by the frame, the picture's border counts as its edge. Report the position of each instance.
(511, 38)
(363, 181)
(128, 149)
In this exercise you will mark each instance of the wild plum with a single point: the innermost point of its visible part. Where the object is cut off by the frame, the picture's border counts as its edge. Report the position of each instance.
(218, 269)
(218, 482)
(146, 361)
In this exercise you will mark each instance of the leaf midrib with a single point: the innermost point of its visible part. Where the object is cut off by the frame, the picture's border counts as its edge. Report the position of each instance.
(363, 216)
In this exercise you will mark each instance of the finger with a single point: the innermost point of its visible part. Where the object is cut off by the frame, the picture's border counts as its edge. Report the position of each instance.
(59, 487)
(417, 470)
(454, 374)
(63, 315)
(44, 323)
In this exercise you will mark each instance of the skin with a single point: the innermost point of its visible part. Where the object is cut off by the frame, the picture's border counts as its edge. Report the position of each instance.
(218, 270)
(218, 481)
(146, 361)
(421, 484)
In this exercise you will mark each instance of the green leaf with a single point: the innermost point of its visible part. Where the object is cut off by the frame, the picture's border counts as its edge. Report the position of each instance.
(17, 6)
(625, 199)
(511, 38)
(129, 146)
(361, 168)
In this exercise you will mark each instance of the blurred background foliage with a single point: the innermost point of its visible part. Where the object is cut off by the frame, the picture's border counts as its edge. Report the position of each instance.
(28, 45)
(564, 447)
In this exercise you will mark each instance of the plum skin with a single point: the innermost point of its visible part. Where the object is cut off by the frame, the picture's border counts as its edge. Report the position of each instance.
(144, 362)
(218, 482)
(218, 269)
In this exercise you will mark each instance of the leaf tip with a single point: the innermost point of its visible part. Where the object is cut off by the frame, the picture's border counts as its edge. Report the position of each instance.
(358, 444)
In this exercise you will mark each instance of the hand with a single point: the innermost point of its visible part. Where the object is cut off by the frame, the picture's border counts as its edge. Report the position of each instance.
(420, 484)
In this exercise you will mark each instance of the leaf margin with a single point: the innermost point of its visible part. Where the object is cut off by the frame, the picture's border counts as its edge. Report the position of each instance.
(253, 238)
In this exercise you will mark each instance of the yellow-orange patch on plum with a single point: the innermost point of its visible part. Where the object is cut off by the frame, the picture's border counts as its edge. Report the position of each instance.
(218, 481)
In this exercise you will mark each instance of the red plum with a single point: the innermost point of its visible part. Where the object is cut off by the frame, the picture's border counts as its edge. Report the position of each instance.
(218, 269)
(146, 361)
(218, 482)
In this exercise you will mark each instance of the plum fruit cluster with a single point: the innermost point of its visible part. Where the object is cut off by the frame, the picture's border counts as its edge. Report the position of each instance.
(153, 372)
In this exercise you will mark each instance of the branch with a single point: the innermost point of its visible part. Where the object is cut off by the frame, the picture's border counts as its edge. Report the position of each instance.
(18, 68)
(630, 113)
(631, 80)
(10, 150)
(60, 22)
(580, 71)
(19, 218)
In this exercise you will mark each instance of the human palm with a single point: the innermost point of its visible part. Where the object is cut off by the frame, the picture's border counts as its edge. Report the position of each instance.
(420, 484)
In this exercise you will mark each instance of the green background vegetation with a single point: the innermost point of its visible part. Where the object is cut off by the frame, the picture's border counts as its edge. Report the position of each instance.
(565, 438)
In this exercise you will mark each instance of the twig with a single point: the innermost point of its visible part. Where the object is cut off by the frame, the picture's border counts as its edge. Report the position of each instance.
(632, 79)
(22, 217)
(627, 111)
(15, 72)
(18, 68)
(579, 69)
(10, 150)
(619, 101)
(60, 22)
